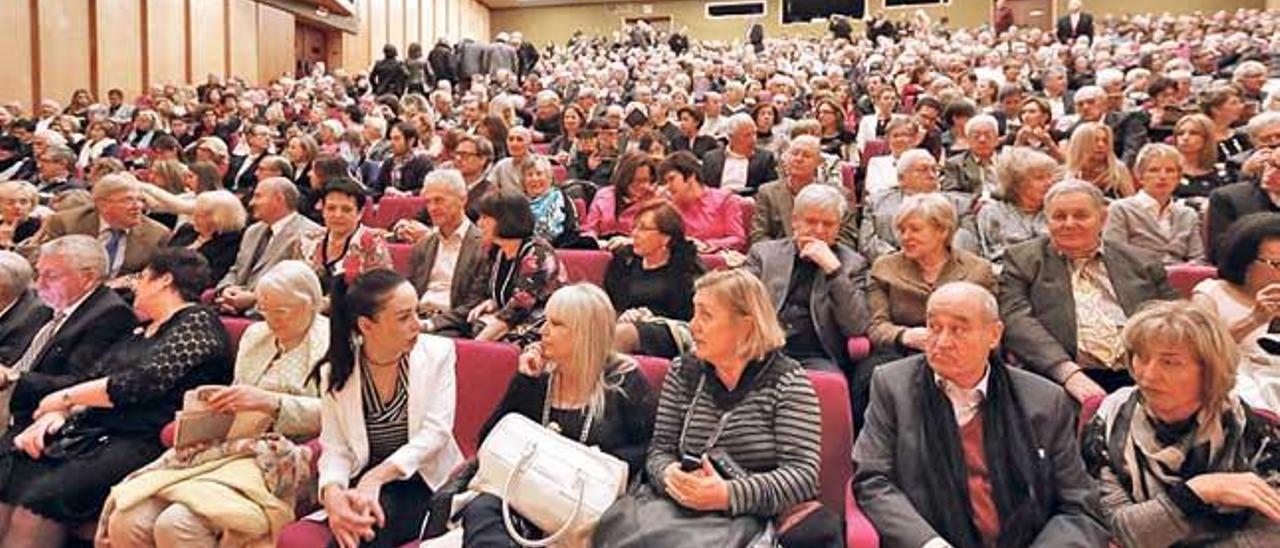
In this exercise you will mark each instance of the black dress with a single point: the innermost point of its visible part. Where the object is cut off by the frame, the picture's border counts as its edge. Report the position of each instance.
(220, 251)
(667, 291)
(146, 380)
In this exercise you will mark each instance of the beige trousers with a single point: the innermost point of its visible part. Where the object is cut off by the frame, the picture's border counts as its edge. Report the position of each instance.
(160, 524)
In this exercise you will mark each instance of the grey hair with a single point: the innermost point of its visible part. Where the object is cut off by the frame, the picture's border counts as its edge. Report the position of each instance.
(1013, 167)
(80, 251)
(990, 307)
(379, 123)
(51, 137)
(447, 179)
(227, 211)
(292, 279)
(15, 274)
(806, 140)
(1243, 69)
(1109, 76)
(933, 208)
(1075, 186)
(1261, 122)
(112, 184)
(910, 158)
(820, 197)
(1154, 151)
(738, 121)
(1089, 92)
(981, 120)
(284, 187)
(63, 155)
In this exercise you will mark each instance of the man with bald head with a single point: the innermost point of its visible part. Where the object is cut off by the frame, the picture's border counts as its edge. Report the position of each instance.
(959, 450)
(272, 239)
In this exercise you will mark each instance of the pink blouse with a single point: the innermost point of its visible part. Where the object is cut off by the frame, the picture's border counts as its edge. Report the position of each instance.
(716, 219)
(603, 219)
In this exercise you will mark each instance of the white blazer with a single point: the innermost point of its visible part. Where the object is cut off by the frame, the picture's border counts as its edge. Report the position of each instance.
(431, 450)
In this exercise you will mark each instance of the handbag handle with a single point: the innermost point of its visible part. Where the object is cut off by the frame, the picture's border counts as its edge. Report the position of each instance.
(525, 460)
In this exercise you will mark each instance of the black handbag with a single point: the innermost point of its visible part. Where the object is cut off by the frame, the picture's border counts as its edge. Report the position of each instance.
(76, 440)
(645, 519)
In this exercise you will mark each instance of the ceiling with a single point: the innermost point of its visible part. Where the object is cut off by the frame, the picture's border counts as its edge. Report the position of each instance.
(509, 4)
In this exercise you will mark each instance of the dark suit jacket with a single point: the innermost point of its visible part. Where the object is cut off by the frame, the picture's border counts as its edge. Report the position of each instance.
(1083, 28)
(1130, 133)
(74, 351)
(244, 183)
(1229, 203)
(411, 175)
(762, 167)
(838, 302)
(142, 242)
(19, 325)
(470, 285)
(891, 465)
(1039, 308)
(699, 146)
(220, 251)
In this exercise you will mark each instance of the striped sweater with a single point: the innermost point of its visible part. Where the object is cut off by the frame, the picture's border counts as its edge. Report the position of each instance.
(771, 427)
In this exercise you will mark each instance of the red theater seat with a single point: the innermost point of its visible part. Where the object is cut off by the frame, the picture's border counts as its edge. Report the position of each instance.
(401, 255)
(1184, 277)
(584, 265)
(390, 209)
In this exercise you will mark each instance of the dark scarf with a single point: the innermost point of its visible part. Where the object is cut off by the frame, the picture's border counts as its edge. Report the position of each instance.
(1021, 478)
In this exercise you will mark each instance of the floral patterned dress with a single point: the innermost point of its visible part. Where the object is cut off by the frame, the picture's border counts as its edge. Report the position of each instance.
(364, 250)
(521, 286)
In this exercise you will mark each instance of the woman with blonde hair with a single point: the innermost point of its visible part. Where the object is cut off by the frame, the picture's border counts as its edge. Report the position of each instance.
(216, 228)
(1194, 138)
(1179, 459)
(1090, 158)
(735, 397)
(574, 383)
(272, 376)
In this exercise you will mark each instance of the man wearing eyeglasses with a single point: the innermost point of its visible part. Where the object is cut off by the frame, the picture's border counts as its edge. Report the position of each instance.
(116, 220)
(1250, 195)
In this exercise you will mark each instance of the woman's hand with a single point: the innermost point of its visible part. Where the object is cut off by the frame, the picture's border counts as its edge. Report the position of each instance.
(615, 243)
(1268, 299)
(701, 489)
(367, 494)
(31, 441)
(635, 315)
(54, 402)
(348, 523)
(493, 330)
(532, 362)
(481, 309)
(410, 231)
(1238, 490)
(242, 397)
(915, 337)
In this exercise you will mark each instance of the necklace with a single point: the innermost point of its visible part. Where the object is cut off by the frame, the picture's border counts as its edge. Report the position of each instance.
(554, 426)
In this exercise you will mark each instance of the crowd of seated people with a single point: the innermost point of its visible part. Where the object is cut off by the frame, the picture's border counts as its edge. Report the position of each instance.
(982, 234)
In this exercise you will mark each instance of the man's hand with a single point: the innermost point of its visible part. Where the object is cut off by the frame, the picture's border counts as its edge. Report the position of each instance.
(410, 231)
(819, 253)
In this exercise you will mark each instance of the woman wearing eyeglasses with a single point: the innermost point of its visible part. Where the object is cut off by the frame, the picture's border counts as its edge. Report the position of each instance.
(1246, 295)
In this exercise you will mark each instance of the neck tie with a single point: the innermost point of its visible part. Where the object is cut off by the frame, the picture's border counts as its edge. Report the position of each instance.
(40, 341)
(261, 248)
(113, 249)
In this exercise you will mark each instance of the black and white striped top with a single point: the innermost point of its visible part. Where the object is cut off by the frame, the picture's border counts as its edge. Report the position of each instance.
(387, 424)
(772, 427)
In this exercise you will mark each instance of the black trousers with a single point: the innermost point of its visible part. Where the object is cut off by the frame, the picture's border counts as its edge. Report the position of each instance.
(405, 504)
(482, 525)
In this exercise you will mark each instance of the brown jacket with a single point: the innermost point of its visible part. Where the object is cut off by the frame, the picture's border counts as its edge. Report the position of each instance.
(897, 292)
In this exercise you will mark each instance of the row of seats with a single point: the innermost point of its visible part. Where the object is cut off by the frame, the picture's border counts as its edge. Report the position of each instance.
(483, 369)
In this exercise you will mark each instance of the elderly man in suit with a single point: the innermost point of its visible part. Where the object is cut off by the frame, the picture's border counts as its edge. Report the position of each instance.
(740, 166)
(272, 239)
(449, 267)
(960, 450)
(242, 174)
(21, 312)
(1075, 23)
(87, 318)
(1065, 297)
(1098, 104)
(116, 220)
(818, 285)
(774, 202)
(974, 170)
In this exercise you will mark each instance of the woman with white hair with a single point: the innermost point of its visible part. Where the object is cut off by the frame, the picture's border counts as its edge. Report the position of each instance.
(1091, 158)
(216, 226)
(1152, 219)
(555, 219)
(167, 503)
(1015, 213)
(574, 383)
(146, 127)
(917, 174)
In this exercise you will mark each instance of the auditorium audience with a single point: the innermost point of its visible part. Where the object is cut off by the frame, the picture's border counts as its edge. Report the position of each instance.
(1234, 201)
(614, 208)
(525, 271)
(774, 202)
(1152, 219)
(1036, 129)
(343, 246)
(1064, 297)
(242, 170)
(961, 450)
(169, 502)
(273, 238)
(651, 281)
(55, 167)
(1015, 212)
(575, 383)
(712, 216)
(507, 170)
(690, 139)
(18, 201)
(817, 284)
(449, 267)
(741, 165)
(917, 174)
(1180, 459)
(301, 151)
(388, 400)
(406, 164)
(1246, 296)
(1201, 170)
(901, 133)
(215, 231)
(59, 469)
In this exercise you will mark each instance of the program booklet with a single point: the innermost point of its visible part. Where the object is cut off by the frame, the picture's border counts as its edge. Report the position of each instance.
(197, 423)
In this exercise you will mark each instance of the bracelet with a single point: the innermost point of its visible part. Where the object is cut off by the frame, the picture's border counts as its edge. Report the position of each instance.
(66, 399)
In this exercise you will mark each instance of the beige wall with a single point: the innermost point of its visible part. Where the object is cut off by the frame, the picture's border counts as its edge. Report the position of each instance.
(549, 23)
(53, 47)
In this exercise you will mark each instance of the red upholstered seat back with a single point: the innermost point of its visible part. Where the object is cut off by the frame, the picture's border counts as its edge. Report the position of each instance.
(400, 256)
(584, 265)
(837, 428)
(483, 371)
(1184, 277)
(390, 209)
(235, 328)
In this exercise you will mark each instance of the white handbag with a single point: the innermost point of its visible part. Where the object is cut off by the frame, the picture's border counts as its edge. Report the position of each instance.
(556, 483)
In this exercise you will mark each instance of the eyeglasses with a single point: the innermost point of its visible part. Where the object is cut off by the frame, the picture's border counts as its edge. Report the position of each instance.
(1273, 263)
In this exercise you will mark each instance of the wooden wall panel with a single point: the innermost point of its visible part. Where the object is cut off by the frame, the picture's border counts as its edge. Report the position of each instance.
(64, 48)
(355, 47)
(395, 25)
(275, 43)
(119, 47)
(208, 41)
(243, 17)
(15, 26)
(166, 42)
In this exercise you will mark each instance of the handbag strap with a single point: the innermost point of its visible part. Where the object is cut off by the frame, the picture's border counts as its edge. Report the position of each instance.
(546, 413)
(525, 460)
(688, 418)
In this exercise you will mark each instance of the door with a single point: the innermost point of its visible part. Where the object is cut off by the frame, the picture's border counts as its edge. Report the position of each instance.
(1032, 13)
(311, 46)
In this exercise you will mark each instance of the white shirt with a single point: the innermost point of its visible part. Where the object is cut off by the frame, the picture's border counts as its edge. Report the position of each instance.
(882, 174)
(964, 401)
(437, 296)
(734, 175)
(1163, 217)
